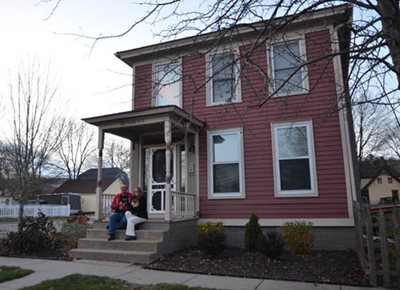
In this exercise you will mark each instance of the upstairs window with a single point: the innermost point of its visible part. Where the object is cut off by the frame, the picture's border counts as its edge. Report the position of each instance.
(379, 180)
(287, 73)
(390, 180)
(167, 90)
(294, 162)
(224, 86)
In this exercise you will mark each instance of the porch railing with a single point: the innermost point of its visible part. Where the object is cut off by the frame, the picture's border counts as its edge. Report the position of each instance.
(183, 205)
(107, 200)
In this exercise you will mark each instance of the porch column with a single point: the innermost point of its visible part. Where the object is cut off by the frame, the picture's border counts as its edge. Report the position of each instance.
(98, 214)
(167, 137)
(134, 166)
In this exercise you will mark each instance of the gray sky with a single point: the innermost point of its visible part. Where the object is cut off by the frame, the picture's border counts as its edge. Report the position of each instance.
(89, 79)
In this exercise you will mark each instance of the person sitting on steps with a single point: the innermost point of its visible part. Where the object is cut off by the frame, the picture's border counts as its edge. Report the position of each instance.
(136, 214)
(120, 204)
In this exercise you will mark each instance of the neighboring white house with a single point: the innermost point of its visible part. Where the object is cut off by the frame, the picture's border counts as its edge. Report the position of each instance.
(86, 184)
(380, 185)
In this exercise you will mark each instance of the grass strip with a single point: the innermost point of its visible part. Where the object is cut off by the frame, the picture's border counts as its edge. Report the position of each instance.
(10, 273)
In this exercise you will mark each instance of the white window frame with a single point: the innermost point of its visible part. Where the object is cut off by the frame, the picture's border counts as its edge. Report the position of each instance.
(311, 160)
(227, 195)
(154, 88)
(209, 76)
(304, 71)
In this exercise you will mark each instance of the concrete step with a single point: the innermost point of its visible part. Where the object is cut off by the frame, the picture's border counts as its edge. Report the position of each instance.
(120, 234)
(148, 225)
(136, 257)
(122, 245)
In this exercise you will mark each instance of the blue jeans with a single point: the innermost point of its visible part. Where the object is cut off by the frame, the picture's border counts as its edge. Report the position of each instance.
(117, 221)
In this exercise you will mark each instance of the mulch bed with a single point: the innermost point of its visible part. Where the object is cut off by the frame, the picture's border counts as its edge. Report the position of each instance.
(333, 267)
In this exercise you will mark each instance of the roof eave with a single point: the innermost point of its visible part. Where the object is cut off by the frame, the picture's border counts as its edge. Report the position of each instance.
(133, 55)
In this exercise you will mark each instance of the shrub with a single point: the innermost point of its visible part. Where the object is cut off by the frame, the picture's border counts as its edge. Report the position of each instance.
(252, 232)
(298, 237)
(81, 219)
(70, 233)
(211, 238)
(271, 245)
(36, 234)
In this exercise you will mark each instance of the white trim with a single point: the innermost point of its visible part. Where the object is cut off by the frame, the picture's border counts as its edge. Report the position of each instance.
(300, 38)
(164, 62)
(231, 195)
(311, 157)
(329, 222)
(234, 48)
(344, 127)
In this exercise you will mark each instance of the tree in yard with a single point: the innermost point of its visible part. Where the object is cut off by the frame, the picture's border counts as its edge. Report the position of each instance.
(76, 149)
(370, 122)
(392, 140)
(375, 34)
(117, 154)
(34, 130)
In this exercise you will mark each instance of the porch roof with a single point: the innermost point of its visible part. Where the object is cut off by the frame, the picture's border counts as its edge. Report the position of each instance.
(149, 121)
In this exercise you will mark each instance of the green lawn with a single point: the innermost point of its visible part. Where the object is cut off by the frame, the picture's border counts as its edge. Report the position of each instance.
(89, 282)
(10, 273)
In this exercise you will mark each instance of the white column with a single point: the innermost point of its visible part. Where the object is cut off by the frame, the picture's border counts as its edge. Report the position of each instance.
(134, 163)
(167, 137)
(99, 190)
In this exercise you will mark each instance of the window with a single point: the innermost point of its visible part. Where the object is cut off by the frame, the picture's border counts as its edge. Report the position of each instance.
(379, 180)
(390, 180)
(224, 84)
(395, 195)
(294, 163)
(225, 164)
(287, 78)
(167, 90)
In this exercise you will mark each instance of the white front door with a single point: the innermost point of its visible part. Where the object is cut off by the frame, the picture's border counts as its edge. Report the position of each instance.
(156, 181)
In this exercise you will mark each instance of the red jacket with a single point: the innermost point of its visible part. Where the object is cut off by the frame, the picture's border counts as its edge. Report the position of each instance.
(117, 199)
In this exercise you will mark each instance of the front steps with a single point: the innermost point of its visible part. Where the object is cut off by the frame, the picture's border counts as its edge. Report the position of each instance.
(147, 248)
(154, 239)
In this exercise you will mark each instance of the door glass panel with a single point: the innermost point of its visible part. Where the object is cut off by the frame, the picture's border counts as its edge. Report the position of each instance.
(159, 168)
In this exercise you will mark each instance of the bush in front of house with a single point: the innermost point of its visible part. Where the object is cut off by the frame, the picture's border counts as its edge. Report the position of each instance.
(252, 232)
(298, 236)
(211, 238)
(271, 245)
(36, 234)
(71, 231)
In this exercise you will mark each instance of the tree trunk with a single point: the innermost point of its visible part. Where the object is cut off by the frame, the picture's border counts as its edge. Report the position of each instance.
(390, 15)
(20, 216)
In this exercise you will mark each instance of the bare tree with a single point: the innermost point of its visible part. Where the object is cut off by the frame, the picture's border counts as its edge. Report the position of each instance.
(370, 123)
(117, 154)
(392, 140)
(375, 32)
(76, 149)
(34, 129)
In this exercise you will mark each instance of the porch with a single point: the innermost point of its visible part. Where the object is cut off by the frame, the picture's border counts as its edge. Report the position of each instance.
(163, 156)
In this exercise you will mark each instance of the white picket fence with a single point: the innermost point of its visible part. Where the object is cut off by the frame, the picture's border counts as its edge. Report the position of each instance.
(11, 211)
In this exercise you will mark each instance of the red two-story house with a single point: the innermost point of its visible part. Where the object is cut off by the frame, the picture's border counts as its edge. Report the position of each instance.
(250, 119)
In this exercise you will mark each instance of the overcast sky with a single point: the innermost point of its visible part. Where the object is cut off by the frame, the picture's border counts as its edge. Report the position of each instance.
(89, 79)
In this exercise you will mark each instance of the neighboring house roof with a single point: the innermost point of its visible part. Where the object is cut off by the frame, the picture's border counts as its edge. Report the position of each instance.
(375, 171)
(87, 181)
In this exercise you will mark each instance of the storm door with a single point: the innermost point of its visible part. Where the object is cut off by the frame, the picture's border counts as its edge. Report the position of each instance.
(156, 181)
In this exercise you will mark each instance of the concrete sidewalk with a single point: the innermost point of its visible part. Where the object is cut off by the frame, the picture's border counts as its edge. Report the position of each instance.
(49, 269)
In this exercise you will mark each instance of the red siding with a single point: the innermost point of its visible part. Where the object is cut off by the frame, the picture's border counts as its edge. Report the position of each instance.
(143, 86)
(317, 106)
